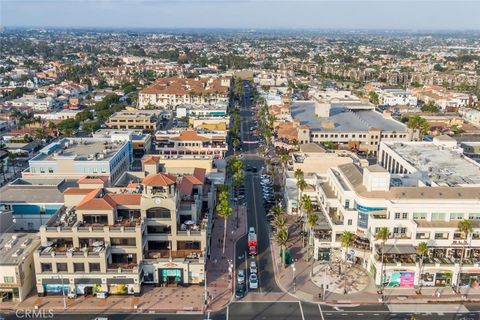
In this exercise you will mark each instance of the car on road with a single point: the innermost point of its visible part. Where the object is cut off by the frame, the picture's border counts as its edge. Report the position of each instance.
(253, 281)
(253, 267)
(241, 276)
(240, 291)
(251, 230)
(467, 316)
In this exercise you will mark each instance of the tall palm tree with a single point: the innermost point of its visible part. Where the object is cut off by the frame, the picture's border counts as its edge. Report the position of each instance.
(422, 251)
(305, 206)
(312, 221)
(301, 185)
(276, 210)
(280, 221)
(382, 236)
(224, 211)
(346, 239)
(282, 240)
(465, 227)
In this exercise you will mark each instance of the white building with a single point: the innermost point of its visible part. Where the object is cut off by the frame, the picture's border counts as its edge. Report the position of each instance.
(417, 204)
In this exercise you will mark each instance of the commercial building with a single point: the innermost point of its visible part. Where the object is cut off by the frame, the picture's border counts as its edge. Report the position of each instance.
(176, 90)
(419, 191)
(141, 142)
(114, 239)
(393, 96)
(72, 158)
(17, 272)
(191, 144)
(147, 120)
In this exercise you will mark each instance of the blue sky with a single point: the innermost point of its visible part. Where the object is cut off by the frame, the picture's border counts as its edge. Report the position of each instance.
(291, 14)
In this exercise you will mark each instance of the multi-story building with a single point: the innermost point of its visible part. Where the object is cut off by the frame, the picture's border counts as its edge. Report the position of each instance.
(72, 158)
(191, 144)
(419, 191)
(114, 239)
(141, 142)
(17, 273)
(134, 119)
(392, 96)
(175, 90)
(33, 102)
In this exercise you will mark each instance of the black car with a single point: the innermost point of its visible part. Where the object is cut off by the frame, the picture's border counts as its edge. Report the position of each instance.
(240, 291)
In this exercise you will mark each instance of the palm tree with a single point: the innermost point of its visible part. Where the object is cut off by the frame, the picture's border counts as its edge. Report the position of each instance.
(346, 240)
(422, 251)
(224, 211)
(284, 159)
(312, 221)
(465, 227)
(280, 221)
(418, 123)
(276, 210)
(305, 206)
(301, 185)
(382, 236)
(40, 133)
(282, 240)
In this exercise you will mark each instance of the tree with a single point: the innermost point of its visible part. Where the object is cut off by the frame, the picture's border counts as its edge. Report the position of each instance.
(312, 221)
(418, 123)
(12, 159)
(382, 236)
(224, 211)
(373, 98)
(438, 67)
(301, 185)
(422, 251)
(429, 107)
(280, 221)
(40, 133)
(91, 126)
(346, 239)
(465, 227)
(282, 240)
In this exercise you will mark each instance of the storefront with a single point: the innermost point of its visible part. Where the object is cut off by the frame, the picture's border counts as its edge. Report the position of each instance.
(399, 279)
(324, 254)
(436, 278)
(8, 292)
(87, 286)
(120, 286)
(470, 280)
(170, 276)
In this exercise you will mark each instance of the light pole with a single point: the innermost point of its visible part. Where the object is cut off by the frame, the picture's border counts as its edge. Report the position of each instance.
(294, 279)
(206, 292)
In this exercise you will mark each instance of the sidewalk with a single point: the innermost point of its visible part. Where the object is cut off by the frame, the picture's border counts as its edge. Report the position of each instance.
(360, 285)
(160, 299)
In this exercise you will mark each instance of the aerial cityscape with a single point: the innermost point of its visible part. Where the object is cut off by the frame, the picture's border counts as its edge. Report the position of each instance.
(239, 160)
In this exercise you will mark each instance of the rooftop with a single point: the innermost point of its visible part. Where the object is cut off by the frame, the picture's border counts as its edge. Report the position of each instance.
(24, 190)
(84, 149)
(442, 165)
(14, 247)
(344, 120)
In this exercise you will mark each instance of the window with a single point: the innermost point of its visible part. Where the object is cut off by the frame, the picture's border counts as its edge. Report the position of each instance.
(8, 279)
(50, 170)
(347, 203)
(62, 267)
(397, 215)
(474, 216)
(419, 216)
(94, 267)
(456, 216)
(46, 267)
(404, 215)
(438, 216)
(441, 235)
(78, 267)
(349, 222)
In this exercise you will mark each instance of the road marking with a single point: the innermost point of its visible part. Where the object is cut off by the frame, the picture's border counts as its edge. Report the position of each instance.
(301, 310)
(321, 313)
(376, 314)
(359, 314)
(228, 308)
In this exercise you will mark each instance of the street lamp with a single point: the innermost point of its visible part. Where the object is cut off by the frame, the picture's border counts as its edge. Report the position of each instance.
(294, 279)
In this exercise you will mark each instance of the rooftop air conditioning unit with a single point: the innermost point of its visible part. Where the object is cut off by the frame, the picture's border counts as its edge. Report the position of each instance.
(17, 253)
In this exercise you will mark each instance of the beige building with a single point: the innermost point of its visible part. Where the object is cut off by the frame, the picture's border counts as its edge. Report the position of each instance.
(114, 239)
(17, 273)
(134, 119)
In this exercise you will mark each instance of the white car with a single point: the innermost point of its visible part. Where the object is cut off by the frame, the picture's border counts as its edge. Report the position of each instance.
(253, 267)
(253, 281)
(251, 230)
(241, 276)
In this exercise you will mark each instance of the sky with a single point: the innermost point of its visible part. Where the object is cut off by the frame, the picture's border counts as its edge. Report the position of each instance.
(251, 14)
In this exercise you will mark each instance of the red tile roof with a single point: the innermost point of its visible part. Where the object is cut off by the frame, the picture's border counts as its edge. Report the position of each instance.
(151, 159)
(159, 179)
(199, 173)
(189, 135)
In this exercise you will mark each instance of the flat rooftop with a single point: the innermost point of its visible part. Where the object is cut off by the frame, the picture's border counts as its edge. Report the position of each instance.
(441, 165)
(80, 149)
(345, 120)
(14, 247)
(25, 190)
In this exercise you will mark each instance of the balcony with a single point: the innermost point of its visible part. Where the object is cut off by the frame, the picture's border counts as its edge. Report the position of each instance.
(190, 255)
(129, 268)
(71, 251)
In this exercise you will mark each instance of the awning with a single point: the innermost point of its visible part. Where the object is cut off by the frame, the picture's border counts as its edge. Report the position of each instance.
(55, 281)
(120, 281)
(399, 249)
(88, 281)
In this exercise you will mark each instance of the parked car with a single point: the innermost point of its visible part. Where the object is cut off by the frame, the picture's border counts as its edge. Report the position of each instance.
(253, 267)
(251, 230)
(253, 281)
(240, 291)
(241, 276)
